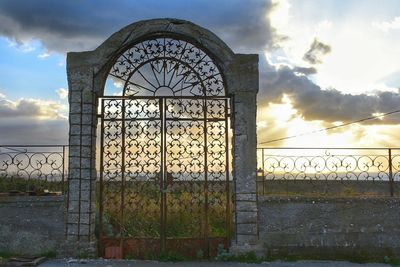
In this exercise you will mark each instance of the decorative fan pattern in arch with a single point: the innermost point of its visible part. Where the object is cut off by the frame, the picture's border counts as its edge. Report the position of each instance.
(167, 67)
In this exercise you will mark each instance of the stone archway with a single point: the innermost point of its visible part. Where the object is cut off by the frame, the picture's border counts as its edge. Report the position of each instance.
(87, 73)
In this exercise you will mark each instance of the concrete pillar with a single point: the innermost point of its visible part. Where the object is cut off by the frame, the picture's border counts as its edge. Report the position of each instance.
(82, 161)
(244, 87)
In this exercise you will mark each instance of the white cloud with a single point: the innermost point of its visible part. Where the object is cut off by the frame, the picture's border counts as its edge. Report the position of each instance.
(24, 47)
(323, 27)
(44, 55)
(33, 108)
(279, 16)
(118, 84)
(62, 93)
(361, 59)
(386, 26)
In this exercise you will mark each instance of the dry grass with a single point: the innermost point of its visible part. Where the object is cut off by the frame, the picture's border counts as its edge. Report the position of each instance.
(185, 211)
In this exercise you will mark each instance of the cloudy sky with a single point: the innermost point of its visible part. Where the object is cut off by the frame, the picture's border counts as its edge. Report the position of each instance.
(322, 63)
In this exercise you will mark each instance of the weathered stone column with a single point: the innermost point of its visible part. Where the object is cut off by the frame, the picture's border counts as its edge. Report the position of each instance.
(244, 89)
(82, 159)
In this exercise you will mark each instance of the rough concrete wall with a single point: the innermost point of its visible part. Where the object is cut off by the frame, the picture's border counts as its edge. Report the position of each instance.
(334, 227)
(32, 225)
(336, 188)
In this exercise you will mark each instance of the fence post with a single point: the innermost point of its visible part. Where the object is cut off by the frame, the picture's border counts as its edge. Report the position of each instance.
(263, 170)
(390, 173)
(63, 171)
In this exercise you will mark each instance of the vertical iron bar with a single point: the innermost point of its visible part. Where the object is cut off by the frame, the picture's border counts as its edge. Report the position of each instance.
(206, 230)
(63, 171)
(263, 171)
(66, 217)
(233, 163)
(122, 179)
(228, 204)
(391, 173)
(101, 172)
(164, 63)
(162, 171)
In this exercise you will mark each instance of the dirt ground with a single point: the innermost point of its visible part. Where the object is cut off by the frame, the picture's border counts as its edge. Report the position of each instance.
(132, 263)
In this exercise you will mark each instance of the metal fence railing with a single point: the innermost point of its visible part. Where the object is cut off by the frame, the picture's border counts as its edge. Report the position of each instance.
(328, 171)
(42, 169)
(33, 169)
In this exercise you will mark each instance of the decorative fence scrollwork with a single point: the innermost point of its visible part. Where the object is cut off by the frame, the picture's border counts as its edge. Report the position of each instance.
(33, 169)
(164, 167)
(335, 171)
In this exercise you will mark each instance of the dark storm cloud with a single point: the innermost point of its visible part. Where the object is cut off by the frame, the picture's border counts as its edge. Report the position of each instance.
(32, 121)
(327, 105)
(316, 52)
(81, 25)
(25, 131)
(305, 71)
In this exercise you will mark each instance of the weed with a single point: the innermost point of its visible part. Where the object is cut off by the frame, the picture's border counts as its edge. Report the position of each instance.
(6, 254)
(49, 254)
(170, 256)
(248, 257)
(83, 255)
(223, 254)
(391, 261)
(199, 254)
(10, 183)
(129, 257)
(141, 218)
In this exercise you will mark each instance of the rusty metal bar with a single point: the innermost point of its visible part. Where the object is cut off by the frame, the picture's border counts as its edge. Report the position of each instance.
(331, 166)
(101, 204)
(150, 97)
(122, 223)
(228, 197)
(173, 119)
(67, 205)
(163, 106)
(63, 171)
(263, 171)
(391, 182)
(14, 145)
(336, 148)
(206, 230)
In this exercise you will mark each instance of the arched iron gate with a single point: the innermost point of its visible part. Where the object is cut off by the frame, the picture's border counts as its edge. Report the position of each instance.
(164, 173)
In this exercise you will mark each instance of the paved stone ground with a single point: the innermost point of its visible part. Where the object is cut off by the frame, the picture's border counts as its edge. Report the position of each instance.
(131, 263)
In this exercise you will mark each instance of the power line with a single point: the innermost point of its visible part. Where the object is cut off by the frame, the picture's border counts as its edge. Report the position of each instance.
(331, 128)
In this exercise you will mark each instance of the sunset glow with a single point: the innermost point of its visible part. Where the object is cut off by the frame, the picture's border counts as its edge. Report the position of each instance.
(322, 64)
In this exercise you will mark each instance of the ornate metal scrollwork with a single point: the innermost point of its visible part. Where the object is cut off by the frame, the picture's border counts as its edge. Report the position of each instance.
(165, 171)
(373, 171)
(167, 66)
(32, 168)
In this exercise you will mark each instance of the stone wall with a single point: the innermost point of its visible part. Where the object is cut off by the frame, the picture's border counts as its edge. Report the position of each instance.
(337, 188)
(330, 227)
(32, 225)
